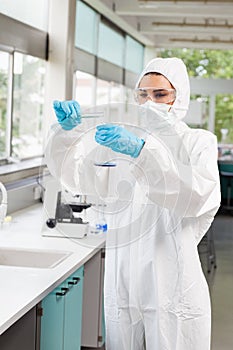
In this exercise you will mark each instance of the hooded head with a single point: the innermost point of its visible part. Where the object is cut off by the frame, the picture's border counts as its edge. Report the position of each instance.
(175, 71)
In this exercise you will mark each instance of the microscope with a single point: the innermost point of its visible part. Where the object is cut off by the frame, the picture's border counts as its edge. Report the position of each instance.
(70, 215)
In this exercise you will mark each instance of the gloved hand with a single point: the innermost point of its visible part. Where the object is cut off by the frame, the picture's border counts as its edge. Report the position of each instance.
(67, 113)
(119, 139)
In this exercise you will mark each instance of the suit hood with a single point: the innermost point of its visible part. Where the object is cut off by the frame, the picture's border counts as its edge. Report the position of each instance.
(175, 71)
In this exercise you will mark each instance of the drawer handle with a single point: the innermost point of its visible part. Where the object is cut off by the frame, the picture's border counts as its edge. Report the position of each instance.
(71, 283)
(62, 292)
(75, 280)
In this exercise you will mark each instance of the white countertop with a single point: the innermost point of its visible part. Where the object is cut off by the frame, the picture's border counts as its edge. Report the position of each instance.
(21, 288)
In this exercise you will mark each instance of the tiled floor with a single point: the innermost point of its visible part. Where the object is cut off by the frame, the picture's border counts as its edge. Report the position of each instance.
(221, 284)
(220, 281)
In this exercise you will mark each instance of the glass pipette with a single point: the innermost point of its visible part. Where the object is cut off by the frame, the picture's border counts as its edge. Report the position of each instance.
(92, 115)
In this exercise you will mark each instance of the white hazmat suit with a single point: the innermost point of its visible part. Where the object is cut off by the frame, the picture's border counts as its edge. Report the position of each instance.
(156, 296)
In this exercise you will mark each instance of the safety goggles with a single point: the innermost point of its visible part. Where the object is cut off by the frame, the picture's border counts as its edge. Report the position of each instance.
(156, 95)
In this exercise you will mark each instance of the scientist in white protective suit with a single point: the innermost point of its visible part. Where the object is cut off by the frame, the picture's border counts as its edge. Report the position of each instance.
(155, 294)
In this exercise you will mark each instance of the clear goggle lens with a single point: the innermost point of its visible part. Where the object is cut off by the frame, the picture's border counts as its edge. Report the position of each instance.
(156, 95)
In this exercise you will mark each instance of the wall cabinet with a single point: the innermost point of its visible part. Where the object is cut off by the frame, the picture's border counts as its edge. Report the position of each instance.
(62, 315)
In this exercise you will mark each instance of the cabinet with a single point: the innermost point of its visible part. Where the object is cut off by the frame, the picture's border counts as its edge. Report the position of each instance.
(62, 315)
(93, 327)
(22, 334)
(226, 180)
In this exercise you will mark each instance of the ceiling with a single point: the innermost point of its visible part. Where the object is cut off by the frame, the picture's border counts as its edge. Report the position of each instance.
(170, 24)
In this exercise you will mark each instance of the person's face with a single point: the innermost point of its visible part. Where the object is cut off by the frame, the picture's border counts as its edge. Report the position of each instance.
(155, 88)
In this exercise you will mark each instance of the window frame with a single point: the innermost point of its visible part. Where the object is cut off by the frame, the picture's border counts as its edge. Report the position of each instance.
(16, 36)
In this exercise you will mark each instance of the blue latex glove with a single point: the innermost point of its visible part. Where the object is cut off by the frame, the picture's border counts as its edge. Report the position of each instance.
(67, 113)
(119, 139)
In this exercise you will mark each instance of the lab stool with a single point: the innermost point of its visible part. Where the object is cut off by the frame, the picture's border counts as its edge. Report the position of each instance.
(209, 249)
(228, 176)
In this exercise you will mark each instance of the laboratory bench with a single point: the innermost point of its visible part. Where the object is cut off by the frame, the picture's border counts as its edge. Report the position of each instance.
(29, 291)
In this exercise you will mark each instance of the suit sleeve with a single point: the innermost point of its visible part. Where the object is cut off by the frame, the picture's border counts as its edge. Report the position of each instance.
(186, 180)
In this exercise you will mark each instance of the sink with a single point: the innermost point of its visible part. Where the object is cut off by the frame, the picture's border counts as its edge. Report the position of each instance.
(31, 257)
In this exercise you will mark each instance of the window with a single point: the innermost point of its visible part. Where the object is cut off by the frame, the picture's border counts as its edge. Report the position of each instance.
(111, 45)
(90, 91)
(116, 92)
(85, 89)
(129, 95)
(4, 86)
(22, 71)
(28, 100)
(102, 92)
(134, 55)
(21, 121)
(86, 37)
(105, 50)
(108, 92)
(224, 118)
